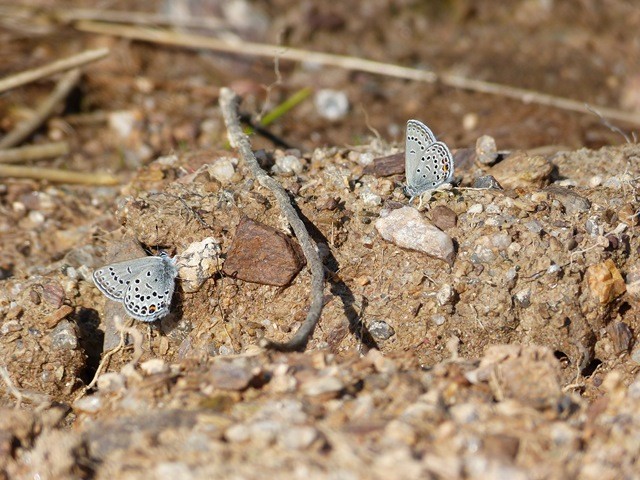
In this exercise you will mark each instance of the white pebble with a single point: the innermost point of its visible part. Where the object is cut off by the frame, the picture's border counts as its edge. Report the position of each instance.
(154, 366)
(406, 228)
(475, 209)
(197, 263)
(331, 104)
(289, 164)
(222, 170)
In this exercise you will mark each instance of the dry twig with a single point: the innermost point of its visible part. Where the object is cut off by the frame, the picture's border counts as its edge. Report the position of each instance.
(229, 105)
(58, 176)
(34, 152)
(351, 63)
(26, 128)
(75, 61)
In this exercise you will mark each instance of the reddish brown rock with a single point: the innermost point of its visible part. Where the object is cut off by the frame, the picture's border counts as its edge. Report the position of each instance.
(443, 217)
(386, 166)
(262, 254)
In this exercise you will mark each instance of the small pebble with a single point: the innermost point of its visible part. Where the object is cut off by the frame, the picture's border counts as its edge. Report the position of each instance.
(487, 182)
(381, 330)
(523, 298)
(222, 169)
(438, 319)
(621, 336)
(230, 375)
(605, 281)
(443, 217)
(475, 209)
(326, 387)
(154, 366)
(198, 262)
(573, 203)
(594, 225)
(288, 164)
(446, 295)
(298, 437)
(534, 226)
(331, 104)
(64, 337)
(111, 382)
(406, 228)
(88, 404)
(486, 150)
(521, 170)
(371, 199)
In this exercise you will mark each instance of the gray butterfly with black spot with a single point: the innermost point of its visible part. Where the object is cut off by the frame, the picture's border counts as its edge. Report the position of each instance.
(427, 162)
(143, 285)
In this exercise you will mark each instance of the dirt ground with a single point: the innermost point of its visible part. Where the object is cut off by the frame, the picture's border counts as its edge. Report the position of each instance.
(516, 357)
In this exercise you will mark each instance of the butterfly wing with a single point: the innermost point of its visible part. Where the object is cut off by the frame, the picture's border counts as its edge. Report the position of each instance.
(113, 280)
(418, 138)
(428, 163)
(148, 295)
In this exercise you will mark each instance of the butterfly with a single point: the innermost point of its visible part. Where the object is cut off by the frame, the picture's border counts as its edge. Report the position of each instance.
(428, 163)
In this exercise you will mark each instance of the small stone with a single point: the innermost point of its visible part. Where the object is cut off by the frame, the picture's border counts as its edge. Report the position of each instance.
(9, 326)
(534, 226)
(123, 122)
(635, 354)
(605, 282)
(298, 437)
(325, 387)
(262, 254)
(573, 203)
(628, 215)
(594, 226)
(154, 366)
(88, 404)
(53, 294)
(288, 164)
(381, 330)
(52, 319)
(406, 228)
(13, 313)
(111, 382)
(475, 209)
(487, 182)
(438, 320)
(223, 169)
(398, 431)
(369, 198)
(521, 170)
(523, 298)
(64, 336)
(238, 433)
(446, 295)
(331, 104)
(483, 254)
(386, 166)
(486, 150)
(197, 263)
(230, 375)
(443, 217)
(621, 336)
(633, 281)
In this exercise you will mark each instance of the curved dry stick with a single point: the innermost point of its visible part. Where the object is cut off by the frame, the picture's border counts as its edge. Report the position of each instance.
(229, 105)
